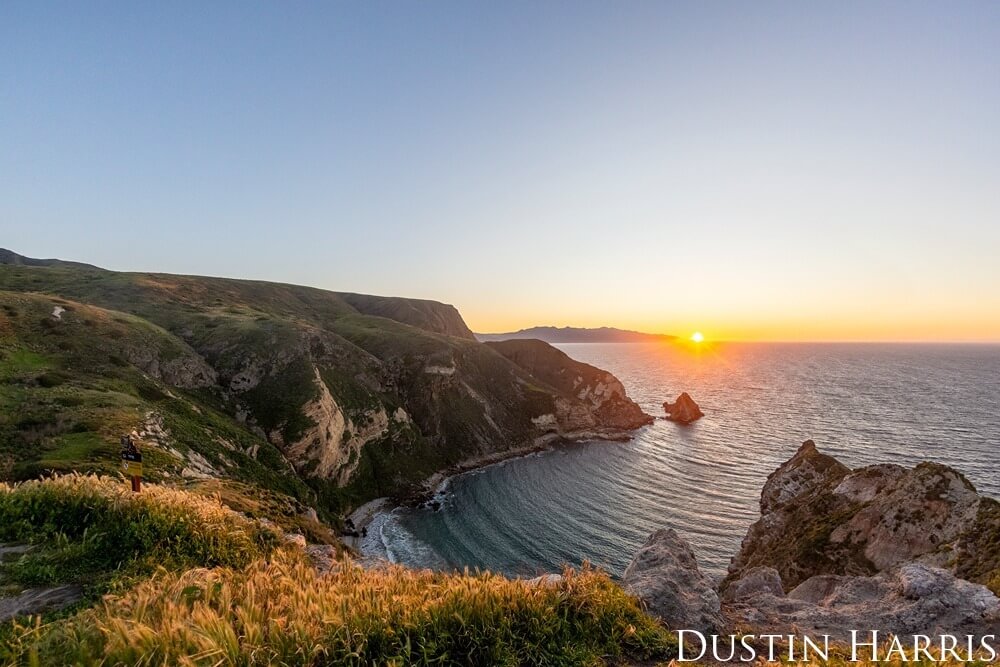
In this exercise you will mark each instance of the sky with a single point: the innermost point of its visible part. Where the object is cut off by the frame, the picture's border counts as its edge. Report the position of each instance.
(756, 171)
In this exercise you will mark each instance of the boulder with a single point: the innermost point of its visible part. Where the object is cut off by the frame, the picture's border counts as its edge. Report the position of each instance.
(665, 576)
(912, 599)
(684, 410)
(757, 581)
(324, 557)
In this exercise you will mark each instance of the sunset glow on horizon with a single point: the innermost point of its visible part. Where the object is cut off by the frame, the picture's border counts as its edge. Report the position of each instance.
(800, 172)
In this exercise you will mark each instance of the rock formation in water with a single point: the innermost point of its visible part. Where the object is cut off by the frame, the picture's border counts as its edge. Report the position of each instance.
(684, 410)
(904, 550)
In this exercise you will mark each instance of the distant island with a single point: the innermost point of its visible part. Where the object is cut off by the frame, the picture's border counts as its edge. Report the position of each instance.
(577, 335)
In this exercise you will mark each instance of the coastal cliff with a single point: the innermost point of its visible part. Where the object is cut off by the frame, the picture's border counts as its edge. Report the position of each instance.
(331, 398)
(902, 550)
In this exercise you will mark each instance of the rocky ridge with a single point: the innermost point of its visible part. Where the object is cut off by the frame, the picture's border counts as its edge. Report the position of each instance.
(901, 550)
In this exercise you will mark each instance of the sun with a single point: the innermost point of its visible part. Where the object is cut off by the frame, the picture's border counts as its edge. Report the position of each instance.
(697, 337)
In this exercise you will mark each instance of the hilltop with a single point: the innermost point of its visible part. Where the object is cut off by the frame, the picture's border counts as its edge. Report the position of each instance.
(278, 395)
(577, 335)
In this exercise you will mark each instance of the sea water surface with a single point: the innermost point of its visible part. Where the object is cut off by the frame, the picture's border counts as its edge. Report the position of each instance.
(599, 501)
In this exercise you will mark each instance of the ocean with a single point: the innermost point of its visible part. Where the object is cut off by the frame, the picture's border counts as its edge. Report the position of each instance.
(598, 501)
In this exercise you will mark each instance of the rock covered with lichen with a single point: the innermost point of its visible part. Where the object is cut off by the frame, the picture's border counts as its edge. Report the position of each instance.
(820, 517)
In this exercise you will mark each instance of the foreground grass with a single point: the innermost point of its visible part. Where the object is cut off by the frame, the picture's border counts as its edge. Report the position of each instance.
(198, 584)
(94, 531)
(282, 612)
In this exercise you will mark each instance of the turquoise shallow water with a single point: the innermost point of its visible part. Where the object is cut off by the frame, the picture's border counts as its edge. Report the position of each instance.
(598, 501)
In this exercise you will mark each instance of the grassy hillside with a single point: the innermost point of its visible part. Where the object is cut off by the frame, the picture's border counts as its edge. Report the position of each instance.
(324, 399)
(223, 592)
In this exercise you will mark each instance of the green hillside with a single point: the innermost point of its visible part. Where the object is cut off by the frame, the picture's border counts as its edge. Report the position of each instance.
(325, 399)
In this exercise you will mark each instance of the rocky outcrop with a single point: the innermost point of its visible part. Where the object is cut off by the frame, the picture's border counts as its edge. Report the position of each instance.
(757, 582)
(588, 397)
(804, 473)
(664, 574)
(886, 548)
(684, 410)
(820, 517)
(912, 599)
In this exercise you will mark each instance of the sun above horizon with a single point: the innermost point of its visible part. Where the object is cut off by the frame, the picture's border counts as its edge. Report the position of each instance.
(697, 337)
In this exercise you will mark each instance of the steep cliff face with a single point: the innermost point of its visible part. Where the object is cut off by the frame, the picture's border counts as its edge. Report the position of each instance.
(358, 396)
(588, 397)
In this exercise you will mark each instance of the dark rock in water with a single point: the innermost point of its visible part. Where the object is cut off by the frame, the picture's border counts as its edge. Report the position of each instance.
(665, 576)
(38, 600)
(684, 410)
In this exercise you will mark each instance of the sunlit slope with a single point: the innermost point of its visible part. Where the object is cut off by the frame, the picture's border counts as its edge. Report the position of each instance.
(294, 388)
(192, 582)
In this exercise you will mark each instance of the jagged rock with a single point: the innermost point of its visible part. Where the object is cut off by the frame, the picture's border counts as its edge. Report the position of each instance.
(805, 472)
(912, 599)
(820, 518)
(756, 582)
(38, 600)
(588, 397)
(684, 410)
(665, 576)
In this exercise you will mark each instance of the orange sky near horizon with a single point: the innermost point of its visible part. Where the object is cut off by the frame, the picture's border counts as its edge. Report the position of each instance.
(907, 322)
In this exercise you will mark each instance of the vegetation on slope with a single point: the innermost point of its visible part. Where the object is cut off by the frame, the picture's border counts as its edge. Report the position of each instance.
(222, 596)
(330, 399)
(94, 531)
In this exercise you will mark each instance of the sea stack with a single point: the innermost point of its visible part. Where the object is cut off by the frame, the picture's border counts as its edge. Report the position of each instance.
(684, 410)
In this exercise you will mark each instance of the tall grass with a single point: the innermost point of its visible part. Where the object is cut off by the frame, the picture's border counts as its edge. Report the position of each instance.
(91, 528)
(282, 612)
(203, 585)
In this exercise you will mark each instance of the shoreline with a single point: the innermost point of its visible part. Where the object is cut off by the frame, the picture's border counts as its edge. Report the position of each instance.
(369, 518)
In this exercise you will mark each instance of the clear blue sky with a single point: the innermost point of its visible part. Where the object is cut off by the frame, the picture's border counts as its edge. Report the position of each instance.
(757, 170)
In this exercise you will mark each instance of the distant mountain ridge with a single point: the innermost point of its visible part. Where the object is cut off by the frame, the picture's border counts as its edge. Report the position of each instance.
(576, 335)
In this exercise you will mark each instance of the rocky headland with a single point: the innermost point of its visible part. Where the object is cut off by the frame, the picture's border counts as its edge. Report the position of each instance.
(883, 547)
(325, 399)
